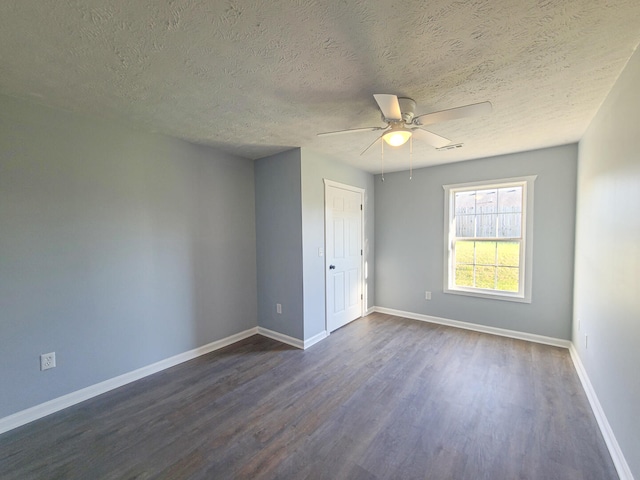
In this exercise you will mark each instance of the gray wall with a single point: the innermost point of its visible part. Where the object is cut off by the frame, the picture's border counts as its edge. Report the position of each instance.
(409, 226)
(117, 249)
(607, 288)
(279, 242)
(315, 168)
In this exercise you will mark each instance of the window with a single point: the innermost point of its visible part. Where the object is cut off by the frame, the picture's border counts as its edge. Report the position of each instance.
(488, 241)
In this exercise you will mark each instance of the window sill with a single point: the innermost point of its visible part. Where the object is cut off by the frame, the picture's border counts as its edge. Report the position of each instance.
(489, 295)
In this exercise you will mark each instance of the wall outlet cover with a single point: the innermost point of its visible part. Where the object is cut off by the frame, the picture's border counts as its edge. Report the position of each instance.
(47, 361)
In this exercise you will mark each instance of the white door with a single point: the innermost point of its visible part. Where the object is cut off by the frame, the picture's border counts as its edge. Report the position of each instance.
(343, 260)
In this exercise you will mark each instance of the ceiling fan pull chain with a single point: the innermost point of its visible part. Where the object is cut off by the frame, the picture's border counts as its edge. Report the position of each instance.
(411, 157)
(382, 158)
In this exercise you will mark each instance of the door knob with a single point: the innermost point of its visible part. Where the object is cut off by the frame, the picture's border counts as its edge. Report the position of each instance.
(332, 267)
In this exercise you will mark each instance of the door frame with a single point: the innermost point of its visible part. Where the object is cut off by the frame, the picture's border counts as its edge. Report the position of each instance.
(331, 183)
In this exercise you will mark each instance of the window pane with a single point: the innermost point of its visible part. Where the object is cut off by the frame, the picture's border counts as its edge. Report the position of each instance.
(486, 277)
(465, 225)
(509, 254)
(486, 225)
(487, 201)
(465, 203)
(485, 253)
(508, 279)
(464, 252)
(510, 225)
(510, 200)
(510, 212)
(465, 207)
(464, 276)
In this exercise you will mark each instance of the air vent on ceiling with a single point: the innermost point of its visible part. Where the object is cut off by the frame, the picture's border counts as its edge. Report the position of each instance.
(450, 147)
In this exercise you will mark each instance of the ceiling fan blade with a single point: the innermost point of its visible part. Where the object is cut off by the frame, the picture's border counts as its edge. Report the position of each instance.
(431, 138)
(371, 145)
(473, 110)
(351, 130)
(389, 106)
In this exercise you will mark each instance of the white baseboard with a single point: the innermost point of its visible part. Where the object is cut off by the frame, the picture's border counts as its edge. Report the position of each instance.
(47, 408)
(34, 413)
(294, 342)
(624, 472)
(369, 311)
(503, 332)
(281, 337)
(315, 339)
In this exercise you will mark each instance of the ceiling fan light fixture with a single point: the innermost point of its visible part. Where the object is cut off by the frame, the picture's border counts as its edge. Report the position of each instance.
(397, 136)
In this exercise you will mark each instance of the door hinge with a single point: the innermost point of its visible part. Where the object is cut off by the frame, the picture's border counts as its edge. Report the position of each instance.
(361, 297)
(360, 206)
(360, 251)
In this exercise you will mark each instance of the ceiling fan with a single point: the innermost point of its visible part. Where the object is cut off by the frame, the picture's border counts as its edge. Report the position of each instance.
(402, 124)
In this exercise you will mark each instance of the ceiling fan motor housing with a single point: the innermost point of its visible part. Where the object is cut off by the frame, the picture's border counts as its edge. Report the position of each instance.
(408, 108)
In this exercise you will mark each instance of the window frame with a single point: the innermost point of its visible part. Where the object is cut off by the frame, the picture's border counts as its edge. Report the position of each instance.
(526, 245)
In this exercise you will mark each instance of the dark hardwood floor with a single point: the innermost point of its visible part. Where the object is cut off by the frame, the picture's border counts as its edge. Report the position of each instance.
(382, 398)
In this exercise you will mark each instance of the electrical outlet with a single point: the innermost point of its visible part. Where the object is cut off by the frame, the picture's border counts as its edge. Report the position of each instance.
(278, 308)
(427, 295)
(47, 361)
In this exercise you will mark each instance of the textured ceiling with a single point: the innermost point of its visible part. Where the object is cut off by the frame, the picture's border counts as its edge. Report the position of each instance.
(255, 78)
